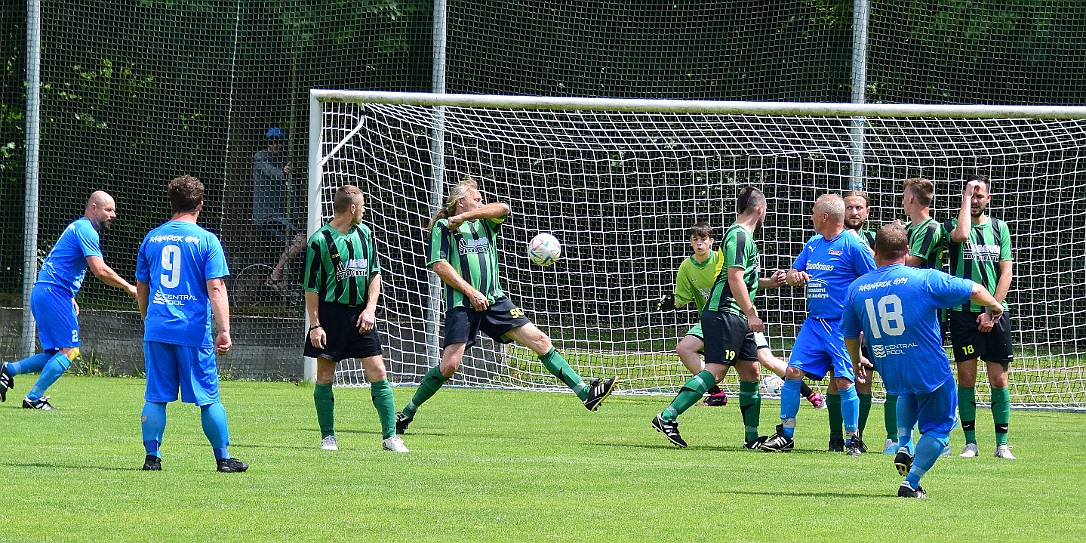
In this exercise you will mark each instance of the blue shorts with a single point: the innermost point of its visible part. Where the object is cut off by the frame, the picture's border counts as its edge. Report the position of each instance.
(819, 348)
(171, 367)
(936, 411)
(54, 312)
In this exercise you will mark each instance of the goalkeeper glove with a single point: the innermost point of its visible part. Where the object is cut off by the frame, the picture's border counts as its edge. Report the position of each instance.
(667, 303)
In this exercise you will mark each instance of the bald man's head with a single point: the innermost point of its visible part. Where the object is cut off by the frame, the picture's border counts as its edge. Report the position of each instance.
(101, 210)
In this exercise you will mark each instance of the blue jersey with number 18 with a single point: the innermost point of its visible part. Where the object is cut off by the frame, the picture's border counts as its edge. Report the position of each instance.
(176, 260)
(896, 307)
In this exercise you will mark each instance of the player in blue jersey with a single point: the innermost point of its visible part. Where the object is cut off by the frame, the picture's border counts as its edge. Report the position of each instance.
(180, 287)
(827, 265)
(897, 307)
(53, 299)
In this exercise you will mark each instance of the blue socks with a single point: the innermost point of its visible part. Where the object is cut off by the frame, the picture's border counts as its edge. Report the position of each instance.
(32, 364)
(928, 449)
(850, 409)
(55, 367)
(906, 420)
(213, 419)
(790, 405)
(153, 424)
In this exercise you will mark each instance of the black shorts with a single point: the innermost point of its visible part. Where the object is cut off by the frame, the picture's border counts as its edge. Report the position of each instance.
(344, 339)
(462, 324)
(727, 338)
(969, 343)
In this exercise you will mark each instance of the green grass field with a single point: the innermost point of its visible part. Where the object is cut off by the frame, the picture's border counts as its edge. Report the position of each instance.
(506, 466)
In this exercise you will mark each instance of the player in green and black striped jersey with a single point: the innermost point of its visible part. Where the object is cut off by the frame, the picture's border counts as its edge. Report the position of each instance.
(729, 322)
(693, 283)
(980, 249)
(342, 281)
(926, 241)
(463, 252)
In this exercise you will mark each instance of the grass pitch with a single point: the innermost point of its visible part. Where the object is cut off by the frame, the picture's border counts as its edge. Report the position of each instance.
(507, 466)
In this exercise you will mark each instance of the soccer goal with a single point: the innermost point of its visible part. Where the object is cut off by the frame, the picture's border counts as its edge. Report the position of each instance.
(619, 182)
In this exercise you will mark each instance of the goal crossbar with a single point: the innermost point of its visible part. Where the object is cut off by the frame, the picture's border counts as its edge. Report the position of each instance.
(813, 109)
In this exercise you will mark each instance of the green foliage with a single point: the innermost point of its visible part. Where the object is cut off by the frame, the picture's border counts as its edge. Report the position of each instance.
(511, 466)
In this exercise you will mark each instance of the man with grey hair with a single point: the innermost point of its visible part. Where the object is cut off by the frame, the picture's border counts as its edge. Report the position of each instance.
(828, 264)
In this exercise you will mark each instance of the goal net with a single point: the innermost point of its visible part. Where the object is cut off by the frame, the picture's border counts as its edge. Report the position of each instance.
(619, 182)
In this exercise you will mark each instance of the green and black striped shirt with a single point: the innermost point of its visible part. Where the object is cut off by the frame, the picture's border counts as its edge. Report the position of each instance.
(339, 267)
(739, 252)
(472, 250)
(978, 257)
(927, 240)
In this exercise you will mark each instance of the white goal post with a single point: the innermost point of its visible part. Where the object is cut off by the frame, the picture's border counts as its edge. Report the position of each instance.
(619, 182)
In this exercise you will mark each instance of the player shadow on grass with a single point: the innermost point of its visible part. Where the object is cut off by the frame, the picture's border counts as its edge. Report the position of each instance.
(711, 448)
(814, 494)
(68, 466)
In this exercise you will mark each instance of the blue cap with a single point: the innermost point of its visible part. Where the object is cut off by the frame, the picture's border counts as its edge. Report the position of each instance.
(274, 132)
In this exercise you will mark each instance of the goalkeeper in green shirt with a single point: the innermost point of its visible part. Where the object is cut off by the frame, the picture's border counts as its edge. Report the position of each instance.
(692, 284)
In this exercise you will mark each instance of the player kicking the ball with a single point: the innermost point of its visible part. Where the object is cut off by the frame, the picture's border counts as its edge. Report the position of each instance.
(463, 252)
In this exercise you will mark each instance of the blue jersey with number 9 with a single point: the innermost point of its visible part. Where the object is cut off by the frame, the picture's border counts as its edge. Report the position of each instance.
(896, 307)
(176, 260)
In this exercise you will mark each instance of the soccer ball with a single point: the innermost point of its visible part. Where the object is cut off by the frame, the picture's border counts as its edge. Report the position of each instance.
(771, 385)
(544, 249)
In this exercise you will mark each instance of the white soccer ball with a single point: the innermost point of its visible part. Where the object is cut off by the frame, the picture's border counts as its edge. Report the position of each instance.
(771, 385)
(544, 249)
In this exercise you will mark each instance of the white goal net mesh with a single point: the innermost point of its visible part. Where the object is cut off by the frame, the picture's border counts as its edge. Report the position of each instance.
(621, 189)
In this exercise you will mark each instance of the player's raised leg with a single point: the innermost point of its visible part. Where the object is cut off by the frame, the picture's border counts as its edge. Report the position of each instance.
(590, 394)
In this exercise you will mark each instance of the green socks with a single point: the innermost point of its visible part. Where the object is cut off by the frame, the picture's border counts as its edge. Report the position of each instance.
(865, 411)
(889, 416)
(1001, 413)
(560, 369)
(750, 406)
(325, 403)
(967, 412)
(837, 422)
(689, 394)
(381, 394)
(431, 383)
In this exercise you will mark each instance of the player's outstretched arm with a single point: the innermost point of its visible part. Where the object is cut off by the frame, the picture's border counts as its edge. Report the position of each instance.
(102, 271)
(492, 210)
(981, 296)
(797, 278)
(777, 280)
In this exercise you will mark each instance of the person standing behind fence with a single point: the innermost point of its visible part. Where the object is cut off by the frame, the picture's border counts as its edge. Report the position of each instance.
(342, 282)
(53, 299)
(180, 272)
(271, 191)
